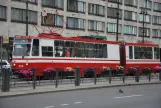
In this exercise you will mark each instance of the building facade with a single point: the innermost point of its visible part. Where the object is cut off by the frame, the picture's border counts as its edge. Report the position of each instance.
(81, 18)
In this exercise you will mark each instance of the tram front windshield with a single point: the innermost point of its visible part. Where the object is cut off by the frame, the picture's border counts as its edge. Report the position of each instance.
(22, 47)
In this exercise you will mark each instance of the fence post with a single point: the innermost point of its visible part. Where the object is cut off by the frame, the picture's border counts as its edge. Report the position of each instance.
(110, 74)
(8, 80)
(123, 78)
(34, 78)
(77, 76)
(137, 74)
(149, 76)
(95, 76)
(5, 80)
(160, 76)
(56, 79)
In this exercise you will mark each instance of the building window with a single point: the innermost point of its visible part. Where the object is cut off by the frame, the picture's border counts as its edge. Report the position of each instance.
(131, 3)
(96, 26)
(130, 30)
(112, 28)
(157, 7)
(147, 18)
(58, 4)
(156, 19)
(76, 6)
(143, 4)
(129, 15)
(112, 13)
(52, 20)
(96, 9)
(29, 1)
(75, 23)
(115, 1)
(3, 13)
(19, 15)
(146, 31)
(155, 33)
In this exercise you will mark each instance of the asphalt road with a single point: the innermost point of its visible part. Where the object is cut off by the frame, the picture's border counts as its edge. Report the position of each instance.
(144, 96)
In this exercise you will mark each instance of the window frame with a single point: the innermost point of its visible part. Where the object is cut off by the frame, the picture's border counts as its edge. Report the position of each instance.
(54, 5)
(23, 17)
(75, 23)
(53, 20)
(114, 13)
(76, 9)
(52, 52)
(5, 17)
(97, 6)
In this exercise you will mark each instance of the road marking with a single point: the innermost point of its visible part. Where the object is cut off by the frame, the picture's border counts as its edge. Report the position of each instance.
(64, 104)
(127, 96)
(49, 107)
(78, 102)
(129, 91)
(106, 93)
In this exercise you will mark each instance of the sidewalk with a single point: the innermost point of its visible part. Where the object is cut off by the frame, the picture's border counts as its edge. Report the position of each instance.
(70, 87)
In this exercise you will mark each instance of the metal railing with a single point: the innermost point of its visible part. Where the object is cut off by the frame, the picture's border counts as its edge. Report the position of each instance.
(14, 79)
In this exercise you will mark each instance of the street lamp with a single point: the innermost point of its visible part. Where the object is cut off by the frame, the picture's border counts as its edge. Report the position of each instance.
(26, 17)
(117, 20)
(144, 12)
(27, 6)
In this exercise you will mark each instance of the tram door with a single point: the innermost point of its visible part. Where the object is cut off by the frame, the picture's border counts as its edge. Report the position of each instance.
(122, 55)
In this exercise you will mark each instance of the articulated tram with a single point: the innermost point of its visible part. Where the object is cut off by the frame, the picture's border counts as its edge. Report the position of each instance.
(53, 50)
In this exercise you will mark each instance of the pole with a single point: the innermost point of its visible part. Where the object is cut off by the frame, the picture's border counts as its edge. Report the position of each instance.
(117, 20)
(57, 76)
(26, 17)
(1, 40)
(95, 76)
(144, 15)
(143, 26)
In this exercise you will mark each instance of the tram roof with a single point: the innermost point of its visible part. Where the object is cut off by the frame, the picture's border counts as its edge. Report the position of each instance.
(51, 36)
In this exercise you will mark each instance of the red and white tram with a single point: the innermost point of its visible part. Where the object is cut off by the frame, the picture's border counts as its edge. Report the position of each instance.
(48, 50)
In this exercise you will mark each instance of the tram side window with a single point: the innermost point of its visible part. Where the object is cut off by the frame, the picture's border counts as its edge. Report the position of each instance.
(104, 51)
(69, 49)
(35, 47)
(86, 49)
(149, 54)
(143, 53)
(91, 50)
(137, 52)
(156, 53)
(78, 51)
(59, 48)
(97, 51)
(130, 52)
(47, 51)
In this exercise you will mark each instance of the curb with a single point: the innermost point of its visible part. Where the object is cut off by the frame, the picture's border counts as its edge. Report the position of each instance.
(85, 88)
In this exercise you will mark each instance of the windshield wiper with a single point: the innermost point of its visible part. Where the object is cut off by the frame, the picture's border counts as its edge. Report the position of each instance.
(25, 54)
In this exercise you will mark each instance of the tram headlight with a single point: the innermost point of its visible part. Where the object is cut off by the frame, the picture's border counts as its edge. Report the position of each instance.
(27, 64)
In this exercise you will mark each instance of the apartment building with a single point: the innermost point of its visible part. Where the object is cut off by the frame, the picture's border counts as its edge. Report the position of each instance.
(81, 18)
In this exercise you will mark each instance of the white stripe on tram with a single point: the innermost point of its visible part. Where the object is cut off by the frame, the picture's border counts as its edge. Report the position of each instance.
(79, 61)
(63, 61)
